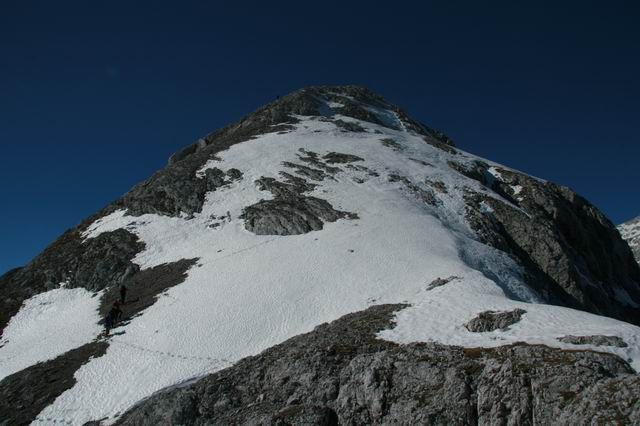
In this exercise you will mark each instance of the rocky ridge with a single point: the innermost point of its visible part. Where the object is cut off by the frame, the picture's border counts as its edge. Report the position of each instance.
(340, 374)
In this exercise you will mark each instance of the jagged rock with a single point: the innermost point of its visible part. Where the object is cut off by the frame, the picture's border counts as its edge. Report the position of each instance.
(176, 188)
(425, 195)
(290, 215)
(290, 212)
(390, 143)
(438, 185)
(145, 287)
(312, 158)
(492, 320)
(294, 186)
(280, 115)
(308, 172)
(95, 264)
(610, 401)
(349, 126)
(439, 282)
(175, 193)
(568, 248)
(337, 157)
(341, 374)
(597, 340)
(424, 163)
(305, 415)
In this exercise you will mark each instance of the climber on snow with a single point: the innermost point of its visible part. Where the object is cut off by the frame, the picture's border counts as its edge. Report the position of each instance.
(108, 323)
(123, 294)
(113, 316)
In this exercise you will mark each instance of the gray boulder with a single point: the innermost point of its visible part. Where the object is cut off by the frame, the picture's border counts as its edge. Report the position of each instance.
(492, 320)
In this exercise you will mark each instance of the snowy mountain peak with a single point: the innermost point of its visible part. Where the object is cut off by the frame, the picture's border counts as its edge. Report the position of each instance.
(323, 204)
(348, 104)
(630, 231)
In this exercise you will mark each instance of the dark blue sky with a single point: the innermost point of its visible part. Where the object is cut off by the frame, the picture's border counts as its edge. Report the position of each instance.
(94, 96)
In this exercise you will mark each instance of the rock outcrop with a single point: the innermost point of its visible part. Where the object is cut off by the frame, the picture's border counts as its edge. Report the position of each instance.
(492, 320)
(570, 251)
(291, 211)
(596, 340)
(99, 263)
(341, 374)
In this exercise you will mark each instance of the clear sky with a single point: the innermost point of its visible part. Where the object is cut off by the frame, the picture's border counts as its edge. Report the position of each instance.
(95, 96)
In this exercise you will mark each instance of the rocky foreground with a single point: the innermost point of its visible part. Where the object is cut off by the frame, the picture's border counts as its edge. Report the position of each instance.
(342, 374)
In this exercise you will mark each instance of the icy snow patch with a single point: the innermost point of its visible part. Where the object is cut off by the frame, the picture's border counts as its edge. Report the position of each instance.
(434, 318)
(48, 324)
(517, 189)
(386, 117)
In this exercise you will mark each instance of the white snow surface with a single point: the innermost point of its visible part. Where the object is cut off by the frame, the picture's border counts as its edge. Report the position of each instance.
(630, 231)
(249, 292)
(48, 324)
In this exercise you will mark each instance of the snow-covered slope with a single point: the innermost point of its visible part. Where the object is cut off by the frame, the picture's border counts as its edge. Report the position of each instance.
(381, 217)
(630, 231)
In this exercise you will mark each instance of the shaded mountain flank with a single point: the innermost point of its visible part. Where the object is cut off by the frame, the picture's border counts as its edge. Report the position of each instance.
(630, 231)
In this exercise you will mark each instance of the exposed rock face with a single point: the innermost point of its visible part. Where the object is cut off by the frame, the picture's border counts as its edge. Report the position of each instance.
(98, 263)
(341, 374)
(289, 216)
(597, 340)
(290, 212)
(337, 157)
(144, 287)
(173, 193)
(570, 250)
(630, 231)
(24, 394)
(425, 195)
(439, 282)
(491, 320)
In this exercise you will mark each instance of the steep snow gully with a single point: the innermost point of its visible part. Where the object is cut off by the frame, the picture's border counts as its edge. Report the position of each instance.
(354, 210)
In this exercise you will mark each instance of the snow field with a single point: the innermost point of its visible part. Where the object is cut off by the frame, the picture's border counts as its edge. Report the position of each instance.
(49, 324)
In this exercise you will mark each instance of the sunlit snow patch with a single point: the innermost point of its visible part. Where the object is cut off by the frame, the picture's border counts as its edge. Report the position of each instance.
(48, 324)
(440, 315)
